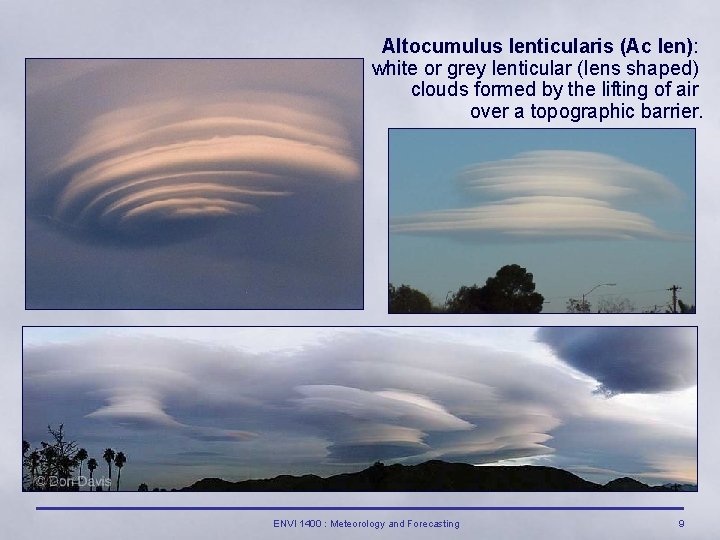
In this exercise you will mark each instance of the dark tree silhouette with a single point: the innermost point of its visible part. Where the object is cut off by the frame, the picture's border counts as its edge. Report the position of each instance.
(65, 466)
(120, 460)
(108, 456)
(62, 456)
(615, 305)
(47, 463)
(33, 466)
(577, 306)
(604, 305)
(682, 307)
(25, 450)
(405, 299)
(51, 466)
(92, 465)
(685, 308)
(64, 450)
(32, 463)
(512, 290)
(81, 456)
(143, 487)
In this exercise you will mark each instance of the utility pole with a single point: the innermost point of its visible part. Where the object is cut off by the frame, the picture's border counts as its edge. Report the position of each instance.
(674, 290)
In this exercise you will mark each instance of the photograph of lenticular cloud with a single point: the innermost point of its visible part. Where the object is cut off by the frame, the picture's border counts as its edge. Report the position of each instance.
(361, 409)
(172, 184)
(582, 220)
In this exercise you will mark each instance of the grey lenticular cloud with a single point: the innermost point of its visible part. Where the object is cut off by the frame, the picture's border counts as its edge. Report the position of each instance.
(550, 195)
(361, 405)
(347, 400)
(626, 359)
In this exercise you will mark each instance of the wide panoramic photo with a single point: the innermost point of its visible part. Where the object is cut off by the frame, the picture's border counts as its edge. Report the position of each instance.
(360, 409)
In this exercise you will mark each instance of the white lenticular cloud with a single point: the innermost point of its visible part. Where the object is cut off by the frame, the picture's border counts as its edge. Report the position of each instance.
(358, 396)
(532, 217)
(550, 194)
(193, 159)
(568, 174)
(415, 410)
(136, 407)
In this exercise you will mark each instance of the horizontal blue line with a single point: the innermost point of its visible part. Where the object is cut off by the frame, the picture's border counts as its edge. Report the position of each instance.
(342, 508)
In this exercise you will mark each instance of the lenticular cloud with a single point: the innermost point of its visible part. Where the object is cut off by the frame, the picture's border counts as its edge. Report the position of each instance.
(567, 174)
(189, 161)
(550, 194)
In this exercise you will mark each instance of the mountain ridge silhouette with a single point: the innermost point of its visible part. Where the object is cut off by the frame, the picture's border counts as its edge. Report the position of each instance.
(434, 475)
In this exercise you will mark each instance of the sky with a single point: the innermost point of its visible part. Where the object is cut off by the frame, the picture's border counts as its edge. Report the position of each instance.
(238, 403)
(575, 207)
(194, 184)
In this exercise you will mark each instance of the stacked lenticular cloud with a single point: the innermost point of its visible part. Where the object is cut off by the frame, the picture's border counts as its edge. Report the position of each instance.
(193, 161)
(194, 183)
(550, 194)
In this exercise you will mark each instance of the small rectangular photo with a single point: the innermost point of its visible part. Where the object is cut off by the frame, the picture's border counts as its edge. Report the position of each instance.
(194, 184)
(360, 409)
(541, 221)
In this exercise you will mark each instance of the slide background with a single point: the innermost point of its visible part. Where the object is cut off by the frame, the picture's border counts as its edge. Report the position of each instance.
(350, 29)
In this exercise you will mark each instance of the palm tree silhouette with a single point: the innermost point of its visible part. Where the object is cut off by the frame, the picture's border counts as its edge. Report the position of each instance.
(120, 460)
(81, 456)
(92, 465)
(108, 456)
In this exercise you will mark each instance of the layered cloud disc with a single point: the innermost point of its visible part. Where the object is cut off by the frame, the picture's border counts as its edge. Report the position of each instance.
(532, 217)
(550, 194)
(568, 174)
(328, 399)
(188, 161)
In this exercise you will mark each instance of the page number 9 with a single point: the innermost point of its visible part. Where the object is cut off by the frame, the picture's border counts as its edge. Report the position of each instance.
(681, 523)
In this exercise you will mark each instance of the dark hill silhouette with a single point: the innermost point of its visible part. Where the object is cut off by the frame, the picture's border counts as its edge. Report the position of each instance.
(630, 484)
(430, 476)
(679, 487)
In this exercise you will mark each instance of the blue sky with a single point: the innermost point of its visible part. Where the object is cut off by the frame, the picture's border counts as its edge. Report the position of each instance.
(658, 165)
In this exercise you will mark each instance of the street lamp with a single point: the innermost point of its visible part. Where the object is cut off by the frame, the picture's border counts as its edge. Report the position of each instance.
(595, 287)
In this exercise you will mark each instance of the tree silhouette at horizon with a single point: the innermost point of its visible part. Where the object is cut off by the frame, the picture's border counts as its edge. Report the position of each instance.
(109, 456)
(120, 461)
(92, 465)
(81, 456)
(511, 290)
